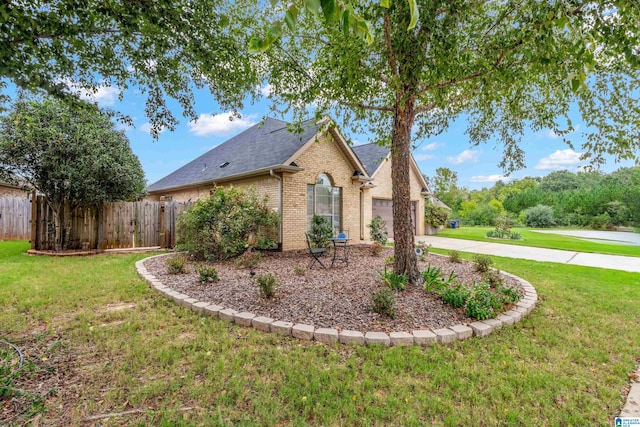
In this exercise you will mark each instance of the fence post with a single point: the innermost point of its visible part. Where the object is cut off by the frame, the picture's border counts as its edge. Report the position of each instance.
(34, 219)
(162, 241)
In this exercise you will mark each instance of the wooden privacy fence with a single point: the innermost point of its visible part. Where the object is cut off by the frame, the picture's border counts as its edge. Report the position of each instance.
(15, 218)
(118, 225)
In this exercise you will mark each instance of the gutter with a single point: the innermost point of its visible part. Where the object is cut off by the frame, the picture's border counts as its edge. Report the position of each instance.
(271, 172)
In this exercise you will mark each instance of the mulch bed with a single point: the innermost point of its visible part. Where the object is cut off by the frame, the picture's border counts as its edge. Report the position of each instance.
(338, 297)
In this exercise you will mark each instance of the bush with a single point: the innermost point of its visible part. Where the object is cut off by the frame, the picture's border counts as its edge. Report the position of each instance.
(248, 259)
(483, 303)
(503, 225)
(378, 229)
(455, 257)
(375, 248)
(601, 222)
(509, 294)
(395, 281)
(435, 215)
(207, 273)
(384, 302)
(482, 262)
(539, 216)
(320, 232)
(176, 264)
(267, 284)
(493, 278)
(225, 224)
(456, 295)
(515, 236)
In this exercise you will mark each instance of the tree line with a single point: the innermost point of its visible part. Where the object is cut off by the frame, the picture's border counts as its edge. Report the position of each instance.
(562, 198)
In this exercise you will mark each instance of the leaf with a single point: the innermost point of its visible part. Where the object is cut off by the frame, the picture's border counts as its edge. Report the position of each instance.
(328, 9)
(313, 6)
(274, 3)
(385, 4)
(273, 34)
(344, 23)
(413, 7)
(290, 20)
(256, 45)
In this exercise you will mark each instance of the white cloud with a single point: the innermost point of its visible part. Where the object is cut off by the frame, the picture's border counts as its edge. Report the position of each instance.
(146, 127)
(560, 159)
(266, 90)
(103, 95)
(220, 124)
(489, 178)
(551, 134)
(432, 146)
(464, 157)
(419, 157)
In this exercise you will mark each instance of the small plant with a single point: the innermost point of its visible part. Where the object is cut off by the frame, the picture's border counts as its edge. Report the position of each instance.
(389, 260)
(515, 236)
(299, 271)
(320, 231)
(482, 262)
(431, 279)
(264, 243)
(456, 295)
(503, 225)
(375, 248)
(395, 281)
(509, 294)
(455, 257)
(492, 234)
(267, 284)
(378, 230)
(384, 302)
(207, 273)
(176, 264)
(248, 259)
(483, 303)
(493, 278)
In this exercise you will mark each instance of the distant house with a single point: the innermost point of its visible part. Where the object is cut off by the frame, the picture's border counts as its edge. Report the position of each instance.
(10, 191)
(303, 174)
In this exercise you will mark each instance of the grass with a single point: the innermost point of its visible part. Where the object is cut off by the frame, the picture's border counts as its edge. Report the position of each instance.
(102, 342)
(541, 240)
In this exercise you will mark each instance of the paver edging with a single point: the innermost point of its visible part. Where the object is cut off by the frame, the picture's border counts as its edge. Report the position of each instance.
(330, 336)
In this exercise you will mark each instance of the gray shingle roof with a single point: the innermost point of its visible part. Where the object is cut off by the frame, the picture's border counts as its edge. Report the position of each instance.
(256, 148)
(371, 156)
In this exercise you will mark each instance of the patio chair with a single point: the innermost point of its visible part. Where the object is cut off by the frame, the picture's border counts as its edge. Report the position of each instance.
(315, 253)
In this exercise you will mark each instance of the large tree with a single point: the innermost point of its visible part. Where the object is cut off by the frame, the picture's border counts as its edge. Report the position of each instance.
(505, 65)
(73, 158)
(164, 48)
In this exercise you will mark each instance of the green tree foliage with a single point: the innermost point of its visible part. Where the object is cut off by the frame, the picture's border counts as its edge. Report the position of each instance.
(539, 216)
(435, 215)
(225, 225)
(73, 157)
(505, 65)
(165, 48)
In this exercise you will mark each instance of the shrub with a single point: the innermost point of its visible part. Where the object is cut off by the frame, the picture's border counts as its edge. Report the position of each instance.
(454, 256)
(249, 259)
(456, 295)
(483, 303)
(503, 225)
(509, 294)
(539, 216)
(515, 236)
(375, 248)
(267, 284)
(384, 302)
(393, 280)
(601, 222)
(435, 215)
(378, 229)
(176, 264)
(320, 232)
(225, 224)
(482, 262)
(207, 273)
(493, 278)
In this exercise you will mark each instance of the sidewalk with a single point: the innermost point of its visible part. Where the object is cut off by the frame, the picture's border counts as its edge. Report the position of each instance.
(614, 262)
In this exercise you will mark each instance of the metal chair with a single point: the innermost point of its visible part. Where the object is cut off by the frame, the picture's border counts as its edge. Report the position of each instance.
(315, 253)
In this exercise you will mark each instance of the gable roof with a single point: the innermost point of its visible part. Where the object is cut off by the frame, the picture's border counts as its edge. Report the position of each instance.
(261, 146)
(371, 155)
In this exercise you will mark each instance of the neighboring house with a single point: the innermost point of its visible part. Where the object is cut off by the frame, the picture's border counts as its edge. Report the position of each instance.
(430, 229)
(302, 174)
(10, 191)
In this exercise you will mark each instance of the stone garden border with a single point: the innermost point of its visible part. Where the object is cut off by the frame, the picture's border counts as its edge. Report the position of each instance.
(329, 336)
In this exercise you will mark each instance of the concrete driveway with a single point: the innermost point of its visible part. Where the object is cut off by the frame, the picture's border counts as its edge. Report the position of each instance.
(614, 262)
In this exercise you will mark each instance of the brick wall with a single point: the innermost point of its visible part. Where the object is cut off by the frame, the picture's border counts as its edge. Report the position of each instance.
(322, 156)
(383, 190)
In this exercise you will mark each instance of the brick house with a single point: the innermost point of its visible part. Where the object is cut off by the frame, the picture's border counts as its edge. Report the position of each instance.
(314, 172)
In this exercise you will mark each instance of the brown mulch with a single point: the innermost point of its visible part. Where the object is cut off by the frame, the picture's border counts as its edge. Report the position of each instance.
(338, 297)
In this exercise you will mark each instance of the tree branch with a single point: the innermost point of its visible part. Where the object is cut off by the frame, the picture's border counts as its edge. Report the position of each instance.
(368, 107)
(387, 40)
(55, 36)
(432, 105)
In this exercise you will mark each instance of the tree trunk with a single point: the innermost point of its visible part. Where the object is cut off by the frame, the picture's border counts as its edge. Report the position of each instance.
(403, 230)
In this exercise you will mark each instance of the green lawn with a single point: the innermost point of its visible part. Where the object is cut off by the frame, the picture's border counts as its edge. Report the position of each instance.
(98, 340)
(541, 240)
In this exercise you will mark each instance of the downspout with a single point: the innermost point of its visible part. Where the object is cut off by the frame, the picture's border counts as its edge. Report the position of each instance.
(361, 213)
(279, 207)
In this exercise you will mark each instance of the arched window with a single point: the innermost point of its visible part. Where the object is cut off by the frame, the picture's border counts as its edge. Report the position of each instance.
(325, 200)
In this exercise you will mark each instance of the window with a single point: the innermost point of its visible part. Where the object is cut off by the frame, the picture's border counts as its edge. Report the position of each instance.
(325, 200)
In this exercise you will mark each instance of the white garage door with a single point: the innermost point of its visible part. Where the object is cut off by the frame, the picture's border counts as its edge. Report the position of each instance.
(384, 208)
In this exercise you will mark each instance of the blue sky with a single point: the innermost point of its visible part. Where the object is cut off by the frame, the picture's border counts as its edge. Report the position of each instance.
(477, 167)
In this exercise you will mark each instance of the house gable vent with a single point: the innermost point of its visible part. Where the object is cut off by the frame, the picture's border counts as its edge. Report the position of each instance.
(224, 165)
